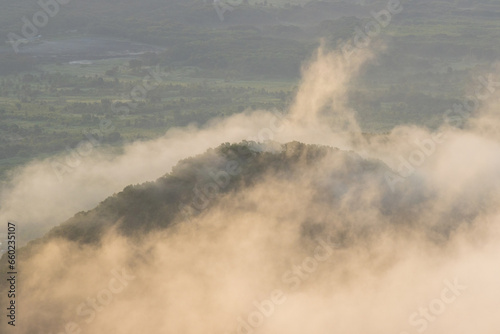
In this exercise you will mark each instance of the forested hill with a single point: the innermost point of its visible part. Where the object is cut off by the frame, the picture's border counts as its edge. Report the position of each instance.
(198, 183)
(241, 197)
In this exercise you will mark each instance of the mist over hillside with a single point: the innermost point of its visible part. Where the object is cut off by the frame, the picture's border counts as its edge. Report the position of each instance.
(313, 229)
(300, 222)
(249, 166)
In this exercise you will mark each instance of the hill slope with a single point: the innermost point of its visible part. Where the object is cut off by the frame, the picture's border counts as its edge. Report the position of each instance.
(196, 247)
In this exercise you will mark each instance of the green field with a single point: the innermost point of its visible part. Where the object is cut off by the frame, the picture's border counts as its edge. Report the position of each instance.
(54, 91)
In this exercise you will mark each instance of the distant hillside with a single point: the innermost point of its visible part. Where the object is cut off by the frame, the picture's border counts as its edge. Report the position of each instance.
(264, 38)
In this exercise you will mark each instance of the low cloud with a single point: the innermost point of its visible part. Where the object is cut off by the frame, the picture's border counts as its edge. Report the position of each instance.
(415, 252)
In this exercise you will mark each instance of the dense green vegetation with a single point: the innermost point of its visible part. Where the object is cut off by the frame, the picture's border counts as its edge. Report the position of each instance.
(248, 60)
(45, 113)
